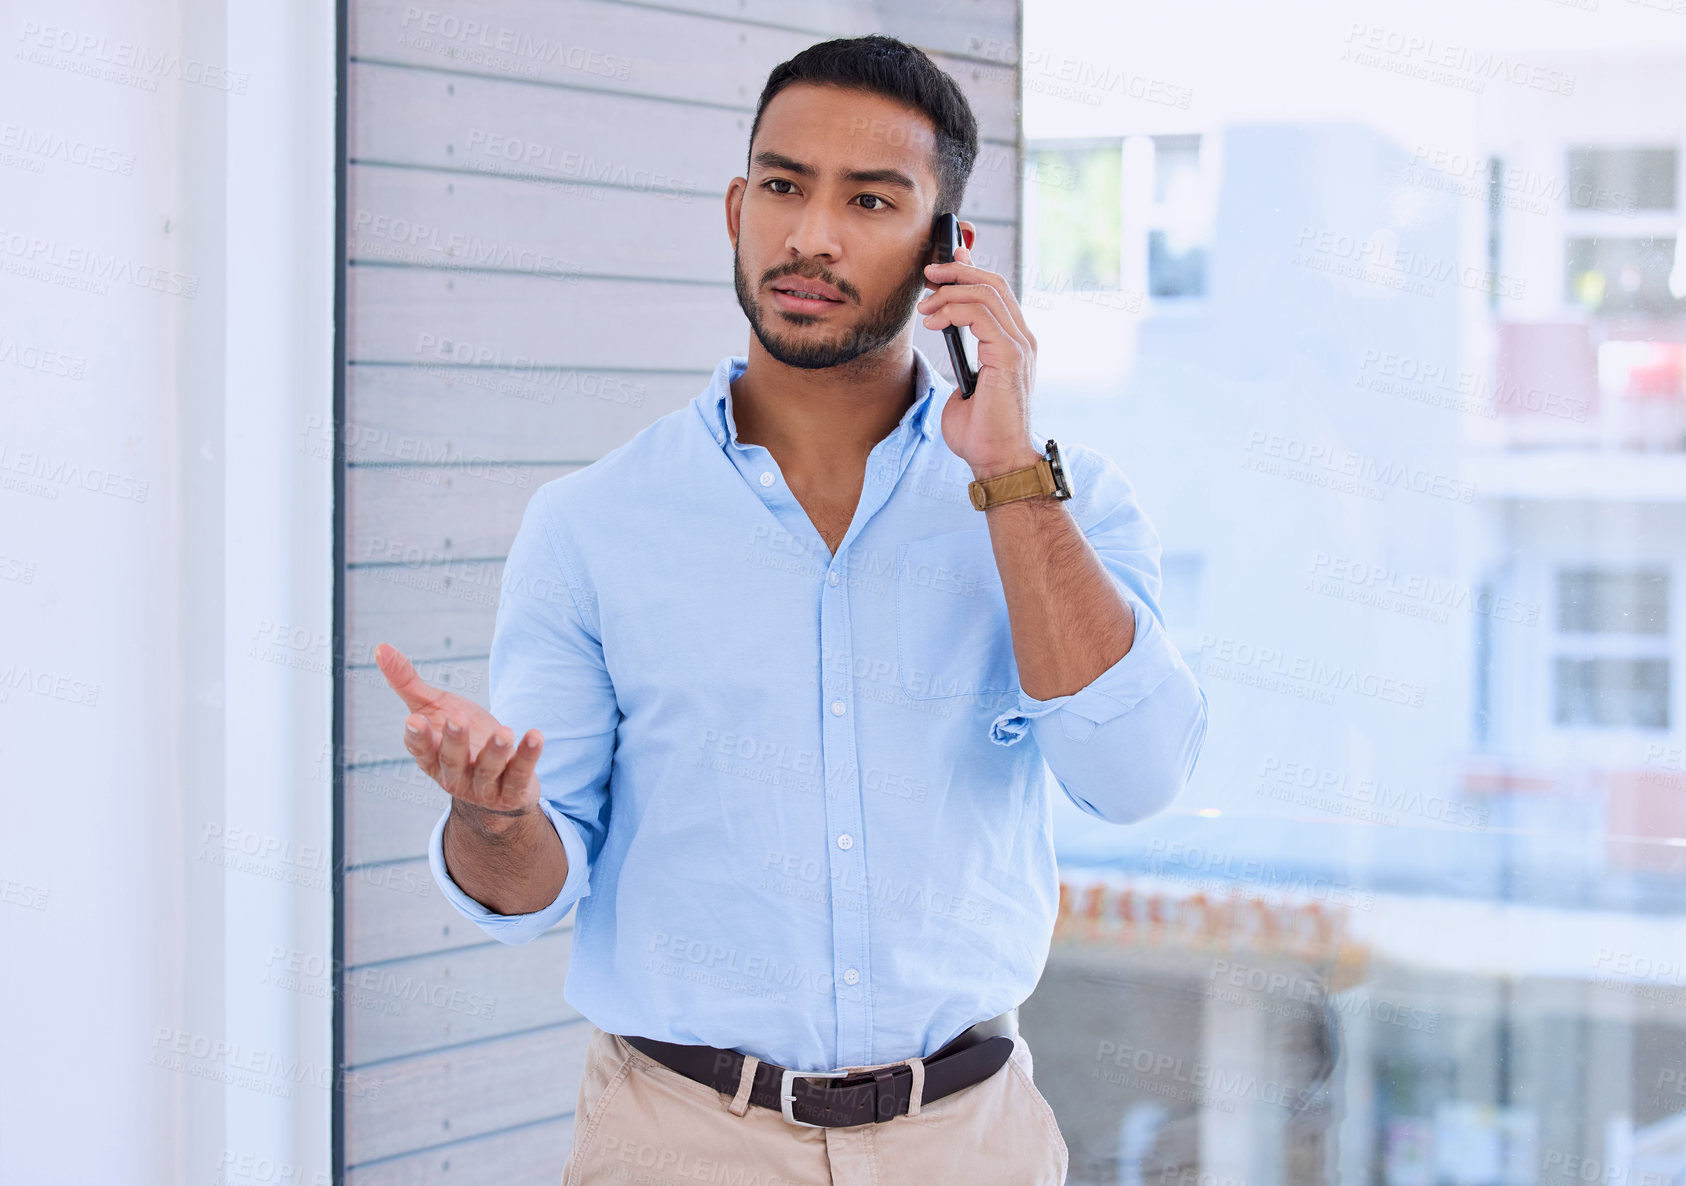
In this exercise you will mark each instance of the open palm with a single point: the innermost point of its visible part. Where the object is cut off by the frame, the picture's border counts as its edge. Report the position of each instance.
(461, 746)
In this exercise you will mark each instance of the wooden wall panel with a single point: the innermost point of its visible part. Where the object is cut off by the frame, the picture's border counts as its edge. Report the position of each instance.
(538, 267)
(389, 818)
(516, 412)
(438, 219)
(954, 26)
(520, 320)
(569, 138)
(376, 715)
(465, 1091)
(414, 515)
(390, 921)
(465, 994)
(445, 617)
(530, 1155)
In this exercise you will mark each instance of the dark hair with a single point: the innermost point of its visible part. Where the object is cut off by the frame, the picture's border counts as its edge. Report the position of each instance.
(885, 66)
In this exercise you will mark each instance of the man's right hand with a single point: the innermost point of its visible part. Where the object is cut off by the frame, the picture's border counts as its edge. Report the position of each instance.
(465, 750)
(498, 846)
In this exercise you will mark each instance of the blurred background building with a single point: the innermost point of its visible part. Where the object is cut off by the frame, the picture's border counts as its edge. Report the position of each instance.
(1389, 331)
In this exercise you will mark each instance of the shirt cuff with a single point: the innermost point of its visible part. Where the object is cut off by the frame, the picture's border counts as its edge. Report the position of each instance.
(1115, 691)
(516, 928)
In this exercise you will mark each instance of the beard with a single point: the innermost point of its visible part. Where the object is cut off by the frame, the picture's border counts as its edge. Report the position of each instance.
(880, 327)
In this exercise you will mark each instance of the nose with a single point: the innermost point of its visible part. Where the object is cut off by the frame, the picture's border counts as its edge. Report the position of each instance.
(815, 233)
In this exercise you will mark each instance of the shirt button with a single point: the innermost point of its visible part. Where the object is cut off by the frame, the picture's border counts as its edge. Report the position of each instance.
(838, 708)
(845, 841)
(767, 477)
(720, 438)
(832, 577)
(850, 976)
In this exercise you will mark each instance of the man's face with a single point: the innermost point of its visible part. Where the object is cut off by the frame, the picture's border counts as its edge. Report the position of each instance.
(838, 205)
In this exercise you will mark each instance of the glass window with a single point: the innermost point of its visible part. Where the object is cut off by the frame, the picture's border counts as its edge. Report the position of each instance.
(1603, 601)
(1176, 168)
(1177, 236)
(1172, 272)
(1406, 407)
(1620, 179)
(1608, 692)
(1618, 275)
(1134, 214)
(1077, 210)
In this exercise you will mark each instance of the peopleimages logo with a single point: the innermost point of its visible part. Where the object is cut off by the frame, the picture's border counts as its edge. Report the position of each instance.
(44, 146)
(1087, 81)
(1460, 389)
(1308, 670)
(1360, 467)
(54, 472)
(1379, 794)
(1431, 59)
(1378, 258)
(1418, 594)
(123, 61)
(543, 158)
(33, 255)
(468, 32)
(1203, 1080)
(1169, 857)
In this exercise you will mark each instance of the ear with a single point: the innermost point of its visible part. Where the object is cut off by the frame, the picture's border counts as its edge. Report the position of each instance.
(968, 232)
(734, 207)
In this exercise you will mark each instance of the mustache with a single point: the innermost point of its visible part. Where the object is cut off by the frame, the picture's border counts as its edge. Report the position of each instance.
(807, 273)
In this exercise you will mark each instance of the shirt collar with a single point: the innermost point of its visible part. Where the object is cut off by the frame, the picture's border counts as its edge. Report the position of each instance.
(715, 403)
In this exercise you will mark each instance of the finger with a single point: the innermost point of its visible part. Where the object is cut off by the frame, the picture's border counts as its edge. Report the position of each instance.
(423, 744)
(489, 766)
(998, 283)
(453, 756)
(967, 274)
(519, 773)
(998, 349)
(987, 294)
(985, 326)
(417, 693)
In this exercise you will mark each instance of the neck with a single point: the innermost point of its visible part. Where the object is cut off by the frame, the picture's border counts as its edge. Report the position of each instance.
(812, 418)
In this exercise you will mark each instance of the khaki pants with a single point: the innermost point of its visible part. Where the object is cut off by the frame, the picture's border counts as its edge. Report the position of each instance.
(642, 1123)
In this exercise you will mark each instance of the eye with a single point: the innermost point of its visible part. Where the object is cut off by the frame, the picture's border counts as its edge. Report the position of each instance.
(882, 204)
(778, 181)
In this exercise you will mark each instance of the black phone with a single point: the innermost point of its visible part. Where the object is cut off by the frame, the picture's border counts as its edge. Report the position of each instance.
(945, 231)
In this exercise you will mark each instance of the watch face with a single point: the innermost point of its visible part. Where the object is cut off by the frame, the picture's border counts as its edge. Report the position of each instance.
(1061, 488)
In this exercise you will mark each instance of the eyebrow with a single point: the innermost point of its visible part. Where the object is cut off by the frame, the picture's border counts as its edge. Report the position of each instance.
(891, 177)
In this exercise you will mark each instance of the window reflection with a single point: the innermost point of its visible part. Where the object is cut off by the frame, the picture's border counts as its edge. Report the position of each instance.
(1401, 382)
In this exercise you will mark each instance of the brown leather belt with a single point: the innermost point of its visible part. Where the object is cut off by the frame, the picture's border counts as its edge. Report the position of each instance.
(861, 1097)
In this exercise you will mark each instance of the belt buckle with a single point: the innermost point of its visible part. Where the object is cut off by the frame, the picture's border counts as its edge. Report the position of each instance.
(787, 1097)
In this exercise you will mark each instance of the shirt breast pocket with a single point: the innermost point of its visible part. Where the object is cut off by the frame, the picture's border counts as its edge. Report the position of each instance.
(953, 638)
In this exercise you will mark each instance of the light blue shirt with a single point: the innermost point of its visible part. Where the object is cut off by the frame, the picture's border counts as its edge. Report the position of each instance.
(805, 804)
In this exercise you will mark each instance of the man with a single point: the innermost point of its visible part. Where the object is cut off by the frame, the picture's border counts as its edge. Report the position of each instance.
(787, 699)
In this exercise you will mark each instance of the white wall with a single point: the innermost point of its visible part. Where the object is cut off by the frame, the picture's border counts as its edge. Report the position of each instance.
(166, 235)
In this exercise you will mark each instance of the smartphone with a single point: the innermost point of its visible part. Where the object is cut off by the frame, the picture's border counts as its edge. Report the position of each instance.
(962, 344)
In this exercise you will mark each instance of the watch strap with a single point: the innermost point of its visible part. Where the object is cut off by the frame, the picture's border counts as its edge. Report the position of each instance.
(1029, 482)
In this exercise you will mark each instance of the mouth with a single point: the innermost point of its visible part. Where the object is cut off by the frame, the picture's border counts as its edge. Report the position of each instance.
(805, 296)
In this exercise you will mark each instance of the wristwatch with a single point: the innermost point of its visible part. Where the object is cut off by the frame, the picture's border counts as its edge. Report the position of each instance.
(1045, 477)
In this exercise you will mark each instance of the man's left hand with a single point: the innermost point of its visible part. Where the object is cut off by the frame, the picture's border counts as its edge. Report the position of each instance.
(991, 430)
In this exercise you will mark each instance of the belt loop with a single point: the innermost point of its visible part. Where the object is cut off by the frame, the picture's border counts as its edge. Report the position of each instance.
(918, 1096)
(740, 1102)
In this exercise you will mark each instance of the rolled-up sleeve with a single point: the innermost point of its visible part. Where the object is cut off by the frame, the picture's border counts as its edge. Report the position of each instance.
(547, 672)
(1124, 746)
